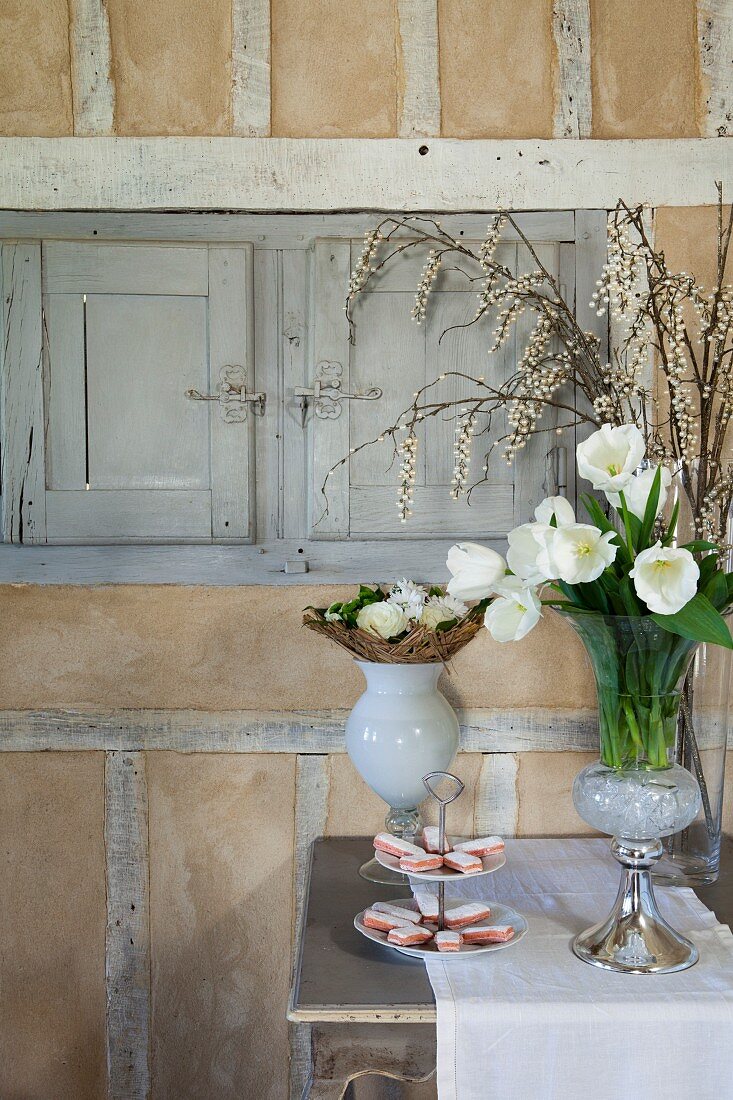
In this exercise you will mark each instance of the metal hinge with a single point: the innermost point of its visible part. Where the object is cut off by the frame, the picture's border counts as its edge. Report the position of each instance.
(232, 395)
(327, 393)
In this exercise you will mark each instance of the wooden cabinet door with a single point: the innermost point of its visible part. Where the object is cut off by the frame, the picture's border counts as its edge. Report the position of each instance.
(391, 352)
(128, 330)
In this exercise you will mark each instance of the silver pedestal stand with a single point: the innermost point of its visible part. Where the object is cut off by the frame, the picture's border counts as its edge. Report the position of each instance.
(635, 938)
(455, 789)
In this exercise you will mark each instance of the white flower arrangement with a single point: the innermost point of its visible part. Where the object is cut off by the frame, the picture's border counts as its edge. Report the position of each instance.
(631, 569)
(405, 623)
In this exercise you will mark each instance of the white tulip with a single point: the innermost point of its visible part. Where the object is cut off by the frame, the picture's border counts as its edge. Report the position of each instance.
(665, 578)
(636, 493)
(474, 570)
(559, 507)
(514, 612)
(609, 457)
(441, 609)
(525, 545)
(576, 554)
(382, 620)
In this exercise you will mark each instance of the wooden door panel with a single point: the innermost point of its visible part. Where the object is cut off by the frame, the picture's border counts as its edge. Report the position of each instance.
(129, 330)
(129, 515)
(74, 267)
(143, 353)
(390, 353)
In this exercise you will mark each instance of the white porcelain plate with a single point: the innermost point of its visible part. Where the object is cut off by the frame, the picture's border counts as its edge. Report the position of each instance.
(443, 874)
(500, 914)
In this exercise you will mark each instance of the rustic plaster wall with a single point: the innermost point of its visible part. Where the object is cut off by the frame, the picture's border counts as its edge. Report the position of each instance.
(221, 867)
(171, 66)
(644, 68)
(496, 68)
(35, 76)
(334, 69)
(169, 646)
(52, 900)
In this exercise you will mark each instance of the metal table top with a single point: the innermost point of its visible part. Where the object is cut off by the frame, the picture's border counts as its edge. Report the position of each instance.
(342, 976)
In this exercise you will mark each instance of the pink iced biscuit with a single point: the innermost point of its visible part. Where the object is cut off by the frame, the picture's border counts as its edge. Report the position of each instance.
(481, 846)
(462, 861)
(407, 937)
(469, 913)
(423, 862)
(384, 921)
(431, 839)
(395, 846)
(427, 903)
(448, 941)
(410, 915)
(499, 933)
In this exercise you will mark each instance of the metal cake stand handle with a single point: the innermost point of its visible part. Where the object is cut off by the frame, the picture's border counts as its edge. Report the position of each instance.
(456, 788)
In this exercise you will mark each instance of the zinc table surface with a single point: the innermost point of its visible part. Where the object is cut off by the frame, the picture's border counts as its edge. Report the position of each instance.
(341, 976)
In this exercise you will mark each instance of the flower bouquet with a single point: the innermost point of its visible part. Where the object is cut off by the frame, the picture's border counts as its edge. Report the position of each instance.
(671, 596)
(404, 624)
(641, 603)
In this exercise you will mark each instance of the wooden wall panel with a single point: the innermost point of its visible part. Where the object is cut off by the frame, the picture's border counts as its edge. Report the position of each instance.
(220, 924)
(171, 66)
(496, 68)
(238, 648)
(644, 68)
(52, 900)
(334, 69)
(35, 76)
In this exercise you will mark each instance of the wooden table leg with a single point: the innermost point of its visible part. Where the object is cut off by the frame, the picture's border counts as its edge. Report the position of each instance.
(343, 1052)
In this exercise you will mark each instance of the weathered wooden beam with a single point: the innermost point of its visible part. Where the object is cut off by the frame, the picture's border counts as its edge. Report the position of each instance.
(128, 926)
(573, 106)
(91, 68)
(280, 174)
(21, 395)
(496, 804)
(251, 68)
(305, 732)
(418, 97)
(312, 779)
(715, 47)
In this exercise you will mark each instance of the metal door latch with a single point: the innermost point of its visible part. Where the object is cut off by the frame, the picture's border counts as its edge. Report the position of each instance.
(327, 393)
(232, 395)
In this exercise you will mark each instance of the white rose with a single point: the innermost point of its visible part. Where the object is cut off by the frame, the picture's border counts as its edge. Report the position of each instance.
(636, 493)
(474, 570)
(524, 549)
(559, 507)
(665, 578)
(609, 457)
(382, 620)
(576, 554)
(514, 612)
(441, 609)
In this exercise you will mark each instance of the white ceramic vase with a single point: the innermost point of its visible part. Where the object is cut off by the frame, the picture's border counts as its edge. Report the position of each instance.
(399, 730)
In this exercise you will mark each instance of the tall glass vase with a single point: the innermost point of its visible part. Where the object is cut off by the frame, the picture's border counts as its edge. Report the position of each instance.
(692, 857)
(636, 791)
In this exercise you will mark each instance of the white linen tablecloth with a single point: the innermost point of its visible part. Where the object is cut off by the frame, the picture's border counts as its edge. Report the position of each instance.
(532, 1022)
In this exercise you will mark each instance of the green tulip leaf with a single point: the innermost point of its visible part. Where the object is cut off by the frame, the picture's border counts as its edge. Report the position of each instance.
(699, 621)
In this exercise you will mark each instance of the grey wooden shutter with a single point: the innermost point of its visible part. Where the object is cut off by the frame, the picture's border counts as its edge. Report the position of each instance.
(392, 352)
(128, 330)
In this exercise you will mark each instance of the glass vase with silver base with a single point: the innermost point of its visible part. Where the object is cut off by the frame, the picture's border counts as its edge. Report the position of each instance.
(635, 792)
(399, 730)
(640, 806)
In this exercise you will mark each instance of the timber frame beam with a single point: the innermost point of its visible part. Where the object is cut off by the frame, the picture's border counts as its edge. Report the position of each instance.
(399, 174)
